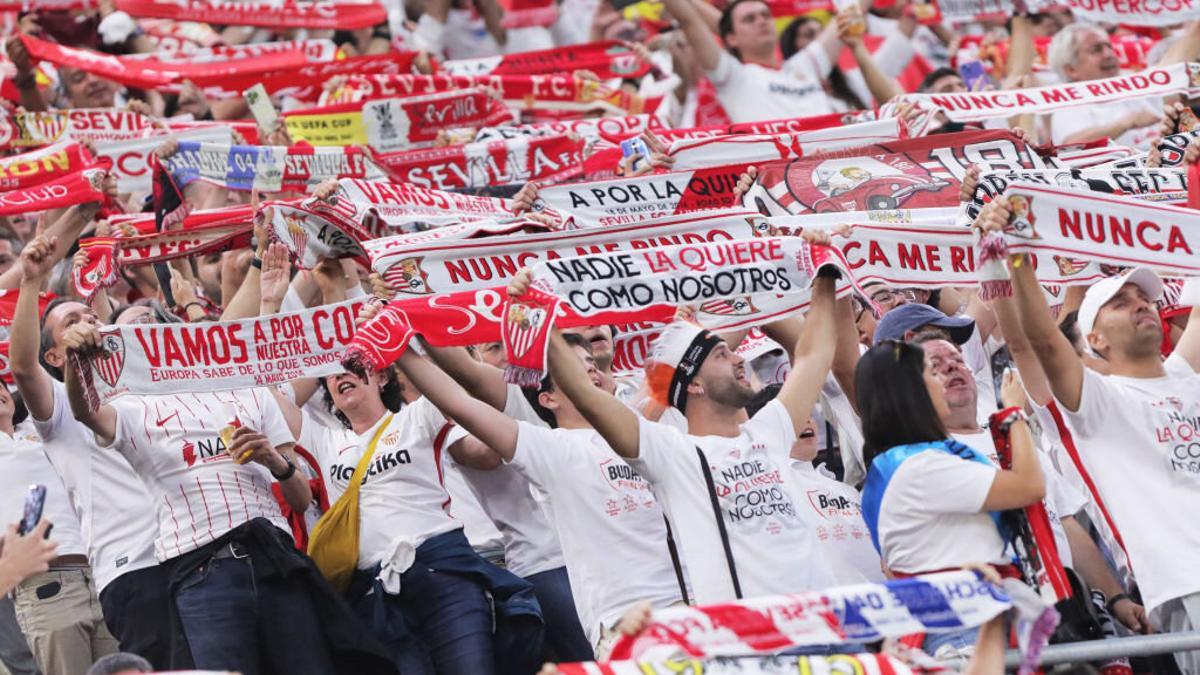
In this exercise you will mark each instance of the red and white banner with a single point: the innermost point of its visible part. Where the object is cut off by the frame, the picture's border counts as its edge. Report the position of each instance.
(747, 149)
(32, 168)
(218, 356)
(324, 14)
(1135, 13)
(439, 266)
(841, 664)
(908, 174)
(1104, 229)
(476, 165)
(608, 59)
(984, 105)
(401, 206)
(633, 200)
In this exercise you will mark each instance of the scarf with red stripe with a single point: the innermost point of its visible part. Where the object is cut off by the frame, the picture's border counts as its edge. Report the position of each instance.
(80, 187)
(478, 165)
(608, 59)
(321, 14)
(32, 168)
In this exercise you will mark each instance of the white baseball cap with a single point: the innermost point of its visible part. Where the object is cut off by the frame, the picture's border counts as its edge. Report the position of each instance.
(1099, 294)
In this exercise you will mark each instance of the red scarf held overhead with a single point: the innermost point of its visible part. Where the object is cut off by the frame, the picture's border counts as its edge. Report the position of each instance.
(52, 163)
(608, 59)
(550, 159)
(81, 187)
(322, 14)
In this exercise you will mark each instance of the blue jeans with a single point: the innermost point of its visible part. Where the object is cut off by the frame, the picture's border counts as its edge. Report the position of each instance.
(959, 639)
(564, 634)
(447, 626)
(219, 605)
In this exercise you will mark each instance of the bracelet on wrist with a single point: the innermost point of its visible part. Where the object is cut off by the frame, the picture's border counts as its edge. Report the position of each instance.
(1112, 602)
(256, 261)
(288, 473)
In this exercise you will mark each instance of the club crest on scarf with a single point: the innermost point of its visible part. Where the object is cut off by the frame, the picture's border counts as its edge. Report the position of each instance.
(407, 276)
(110, 363)
(1022, 221)
(522, 323)
(859, 184)
(743, 306)
(296, 233)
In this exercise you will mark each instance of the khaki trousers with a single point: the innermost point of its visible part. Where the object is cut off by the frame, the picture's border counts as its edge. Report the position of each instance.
(60, 615)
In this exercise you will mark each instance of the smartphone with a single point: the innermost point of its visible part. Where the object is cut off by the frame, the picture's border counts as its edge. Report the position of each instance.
(35, 501)
(974, 75)
(636, 148)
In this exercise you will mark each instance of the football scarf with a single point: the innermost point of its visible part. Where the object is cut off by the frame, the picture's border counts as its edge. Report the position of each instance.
(608, 59)
(984, 105)
(267, 168)
(1103, 229)
(80, 187)
(744, 149)
(932, 603)
(32, 168)
(105, 256)
(1130, 14)
(84, 124)
(553, 91)
(907, 174)
(859, 664)
(394, 124)
(425, 265)
(478, 165)
(632, 200)
(321, 14)
(131, 158)
(1170, 148)
(1165, 186)
(217, 356)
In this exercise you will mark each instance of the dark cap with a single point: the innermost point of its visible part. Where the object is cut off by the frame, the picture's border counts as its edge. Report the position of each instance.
(913, 315)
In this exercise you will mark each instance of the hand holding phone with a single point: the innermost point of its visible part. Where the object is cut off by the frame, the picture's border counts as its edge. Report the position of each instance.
(638, 150)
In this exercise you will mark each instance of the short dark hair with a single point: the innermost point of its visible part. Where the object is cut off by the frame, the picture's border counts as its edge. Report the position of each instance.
(725, 24)
(892, 399)
(46, 337)
(934, 76)
(531, 394)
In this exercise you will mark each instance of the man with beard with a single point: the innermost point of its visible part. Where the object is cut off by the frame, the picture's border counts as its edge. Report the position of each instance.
(725, 485)
(1135, 429)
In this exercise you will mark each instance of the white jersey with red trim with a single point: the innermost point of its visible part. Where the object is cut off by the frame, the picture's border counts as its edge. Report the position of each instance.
(199, 492)
(403, 494)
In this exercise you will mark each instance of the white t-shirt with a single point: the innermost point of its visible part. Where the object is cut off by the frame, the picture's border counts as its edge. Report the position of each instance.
(115, 511)
(753, 93)
(530, 544)
(930, 518)
(199, 492)
(1066, 122)
(774, 549)
(1140, 441)
(22, 464)
(834, 511)
(611, 529)
(479, 529)
(403, 494)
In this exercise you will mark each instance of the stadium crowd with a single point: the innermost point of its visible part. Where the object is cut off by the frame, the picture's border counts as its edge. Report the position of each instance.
(470, 337)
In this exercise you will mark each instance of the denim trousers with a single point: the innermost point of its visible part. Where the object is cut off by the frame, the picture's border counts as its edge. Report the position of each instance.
(219, 606)
(447, 626)
(138, 610)
(564, 634)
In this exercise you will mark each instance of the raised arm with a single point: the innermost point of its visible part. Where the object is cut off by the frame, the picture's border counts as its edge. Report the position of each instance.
(1030, 369)
(31, 378)
(486, 423)
(479, 379)
(1064, 370)
(846, 352)
(813, 354)
(703, 41)
(84, 339)
(615, 422)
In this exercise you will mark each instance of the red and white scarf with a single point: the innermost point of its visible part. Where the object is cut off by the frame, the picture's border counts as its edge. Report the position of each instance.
(746, 149)
(271, 168)
(402, 206)
(32, 168)
(392, 124)
(105, 256)
(131, 158)
(908, 174)
(80, 187)
(476, 165)
(1103, 229)
(1170, 148)
(555, 91)
(984, 105)
(858, 664)
(322, 14)
(85, 124)
(608, 59)
(217, 356)
(633, 200)
(1129, 14)
(415, 267)
(1164, 186)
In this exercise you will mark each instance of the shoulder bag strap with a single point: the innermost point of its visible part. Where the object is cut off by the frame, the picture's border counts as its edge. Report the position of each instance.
(716, 507)
(674, 551)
